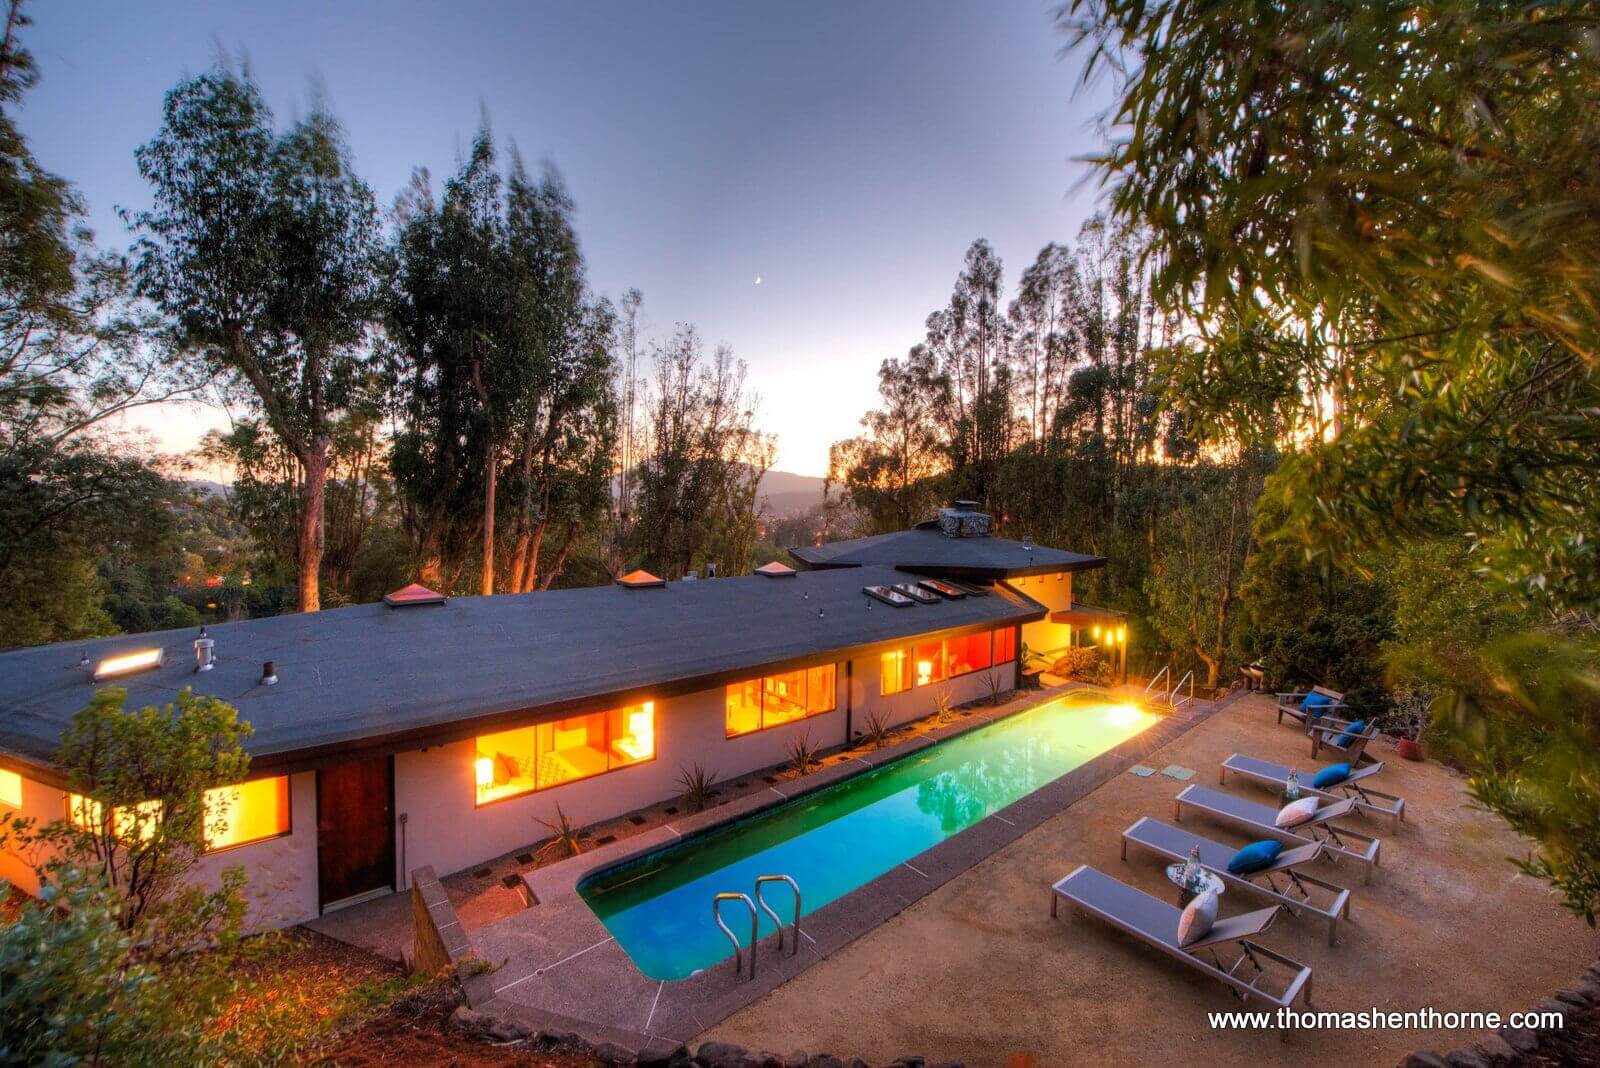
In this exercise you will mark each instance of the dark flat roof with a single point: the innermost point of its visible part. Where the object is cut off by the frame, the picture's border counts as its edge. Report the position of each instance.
(371, 676)
(930, 551)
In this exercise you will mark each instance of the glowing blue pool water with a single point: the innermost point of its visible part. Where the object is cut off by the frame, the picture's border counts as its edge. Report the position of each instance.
(659, 906)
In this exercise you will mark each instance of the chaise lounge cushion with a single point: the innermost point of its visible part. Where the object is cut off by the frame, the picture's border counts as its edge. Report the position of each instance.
(1315, 704)
(1332, 775)
(1350, 734)
(1254, 857)
(1197, 918)
(1296, 812)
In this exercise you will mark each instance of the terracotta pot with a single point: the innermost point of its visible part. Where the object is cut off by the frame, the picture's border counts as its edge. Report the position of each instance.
(1411, 749)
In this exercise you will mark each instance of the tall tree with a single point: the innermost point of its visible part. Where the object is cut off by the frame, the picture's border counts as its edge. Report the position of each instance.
(701, 464)
(261, 247)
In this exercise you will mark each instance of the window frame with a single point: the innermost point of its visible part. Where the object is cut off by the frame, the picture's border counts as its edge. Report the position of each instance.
(909, 655)
(68, 796)
(605, 718)
(760, 683)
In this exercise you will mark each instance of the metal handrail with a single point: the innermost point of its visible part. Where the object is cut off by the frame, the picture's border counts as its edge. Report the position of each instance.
(762, 881)
(716, 914)
(1151, 685)
(1172, 698)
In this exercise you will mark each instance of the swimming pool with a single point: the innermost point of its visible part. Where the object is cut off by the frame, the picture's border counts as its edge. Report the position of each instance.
(658, 906)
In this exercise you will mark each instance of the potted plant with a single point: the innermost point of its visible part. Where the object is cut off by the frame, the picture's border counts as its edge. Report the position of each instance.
(1409, 720)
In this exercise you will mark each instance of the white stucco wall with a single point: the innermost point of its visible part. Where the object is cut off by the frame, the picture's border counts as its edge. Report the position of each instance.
(282, 871)
(1055, 593)
(435, 788)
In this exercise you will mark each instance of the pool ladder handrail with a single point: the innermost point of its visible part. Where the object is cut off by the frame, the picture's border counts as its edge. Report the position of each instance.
(1150, 687)
(765, 880)
(716, 914)
(1172, 698)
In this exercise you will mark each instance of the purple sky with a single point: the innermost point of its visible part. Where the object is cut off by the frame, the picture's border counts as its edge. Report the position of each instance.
(847, 153)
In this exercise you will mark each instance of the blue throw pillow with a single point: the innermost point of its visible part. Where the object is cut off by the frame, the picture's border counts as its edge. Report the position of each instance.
(1315, 704)
(1350, 732)
(1332, 775)
(1254, 857)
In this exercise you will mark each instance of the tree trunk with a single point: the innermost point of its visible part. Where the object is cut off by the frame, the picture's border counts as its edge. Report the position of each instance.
(554, 570)
(530, 562)
(308, 542)
(489, 474)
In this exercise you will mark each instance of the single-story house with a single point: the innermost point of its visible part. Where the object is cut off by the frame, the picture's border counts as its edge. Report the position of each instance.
(427, 730)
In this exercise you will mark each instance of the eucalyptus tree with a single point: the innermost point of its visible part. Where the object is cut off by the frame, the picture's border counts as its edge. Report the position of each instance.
(505, 371)
(262, 249)
(1394, 210)
(1043, 343)
(890, 473)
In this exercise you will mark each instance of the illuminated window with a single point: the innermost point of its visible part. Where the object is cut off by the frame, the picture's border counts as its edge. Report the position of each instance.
(10, 789)
(139, 821)
(508, 763)
(930, 663)
(1005, 645)
(248, 812)
(968, 654)
(778, 699)
(896, 672)
(571, 749)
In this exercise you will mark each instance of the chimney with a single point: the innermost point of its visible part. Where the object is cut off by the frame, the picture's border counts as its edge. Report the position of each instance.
(963, 520)
(269, 674)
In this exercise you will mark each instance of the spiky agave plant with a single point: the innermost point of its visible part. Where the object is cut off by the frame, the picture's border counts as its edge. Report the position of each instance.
(803, 753)
(566, 839)
(875, 731)
(697, 783)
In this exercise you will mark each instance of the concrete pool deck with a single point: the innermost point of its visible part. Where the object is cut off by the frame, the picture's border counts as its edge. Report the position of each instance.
(976, 970)
(558, 969)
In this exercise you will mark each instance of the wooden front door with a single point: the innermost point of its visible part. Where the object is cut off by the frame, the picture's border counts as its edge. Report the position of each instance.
(355, 830)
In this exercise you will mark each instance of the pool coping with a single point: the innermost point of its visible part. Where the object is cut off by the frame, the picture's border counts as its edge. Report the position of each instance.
(601, 992)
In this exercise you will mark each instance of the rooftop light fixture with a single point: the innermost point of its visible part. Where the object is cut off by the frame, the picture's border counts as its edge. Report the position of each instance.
(127, 664)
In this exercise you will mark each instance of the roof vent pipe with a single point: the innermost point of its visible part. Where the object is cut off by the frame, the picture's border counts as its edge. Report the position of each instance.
(204, 652)
(269, 674)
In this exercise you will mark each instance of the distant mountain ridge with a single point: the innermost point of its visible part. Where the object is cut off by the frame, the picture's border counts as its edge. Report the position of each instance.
(788, 494)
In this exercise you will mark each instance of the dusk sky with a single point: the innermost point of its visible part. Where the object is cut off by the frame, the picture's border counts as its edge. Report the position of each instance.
(846, 154)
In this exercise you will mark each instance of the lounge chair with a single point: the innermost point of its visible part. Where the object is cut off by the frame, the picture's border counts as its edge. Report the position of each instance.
(1155, 923)
(1330, 735)
(1339, 843)
(1277, 775)
(1293, 706)
(1175, 844)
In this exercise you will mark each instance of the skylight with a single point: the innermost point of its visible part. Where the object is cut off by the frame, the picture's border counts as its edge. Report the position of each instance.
(127, 664)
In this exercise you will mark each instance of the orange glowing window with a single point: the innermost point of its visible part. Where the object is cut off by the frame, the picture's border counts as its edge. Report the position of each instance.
(139, 821)
(967, 654)
(930, 662)
(248, 812)
(895, 670)
(1005, 645)
(778, 699)
(524, 759)
(10, 789)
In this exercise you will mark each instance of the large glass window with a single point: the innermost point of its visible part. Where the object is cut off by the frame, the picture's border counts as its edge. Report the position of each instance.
(930, 663)
(508, 763)
(967, 654)
(249, 812)
(896, 672)
(1005, 645)
(10, 789)
(777, 699)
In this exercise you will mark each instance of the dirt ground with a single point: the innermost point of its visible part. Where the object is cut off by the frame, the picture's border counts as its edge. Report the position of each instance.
(979, 971)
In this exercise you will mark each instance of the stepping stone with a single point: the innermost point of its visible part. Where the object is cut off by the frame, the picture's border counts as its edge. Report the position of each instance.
(1175, 771)
(1142, 771)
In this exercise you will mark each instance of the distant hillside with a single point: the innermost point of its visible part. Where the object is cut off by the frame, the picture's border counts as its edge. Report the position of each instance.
(789, 494)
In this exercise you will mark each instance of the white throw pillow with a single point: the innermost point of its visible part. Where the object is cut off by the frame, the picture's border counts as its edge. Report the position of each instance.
(1296, 812)
(1197, 918)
